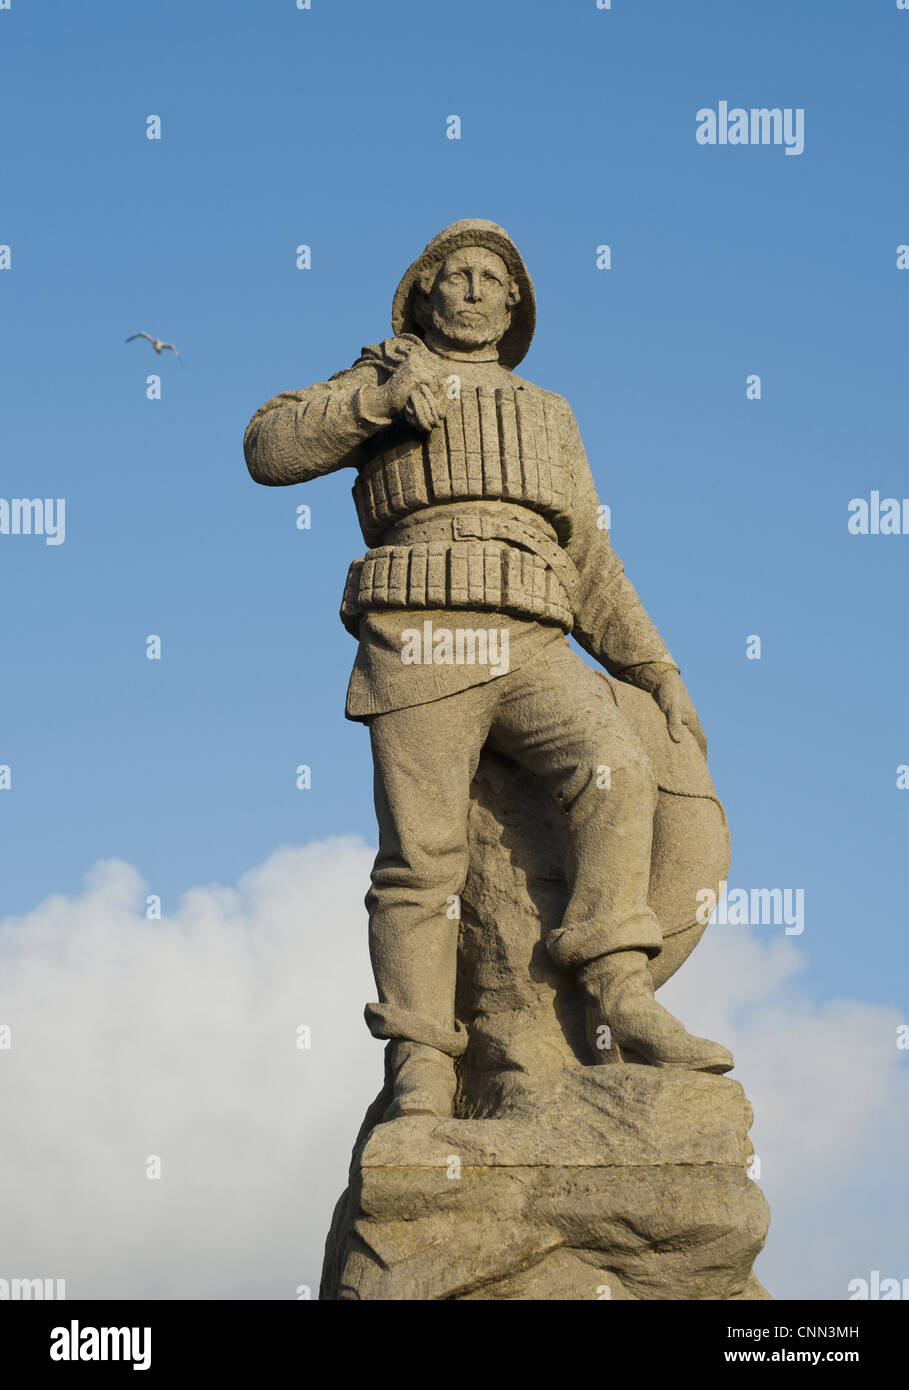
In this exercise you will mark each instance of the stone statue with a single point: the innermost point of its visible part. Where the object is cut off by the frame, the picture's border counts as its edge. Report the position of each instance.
(525, 835)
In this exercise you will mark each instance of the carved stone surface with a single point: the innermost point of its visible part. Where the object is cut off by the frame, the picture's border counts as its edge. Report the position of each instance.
(623, 1182)
(561, 1179)
(523, 1014)
(545, 833)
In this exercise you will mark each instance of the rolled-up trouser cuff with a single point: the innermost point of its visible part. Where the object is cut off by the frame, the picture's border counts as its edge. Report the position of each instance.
(574, 947)
(391, 1021)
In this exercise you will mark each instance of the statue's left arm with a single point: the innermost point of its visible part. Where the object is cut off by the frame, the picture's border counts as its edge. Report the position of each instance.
(610, 621)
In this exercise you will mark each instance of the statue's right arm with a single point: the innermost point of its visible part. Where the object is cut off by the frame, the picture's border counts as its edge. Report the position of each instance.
(299, 435)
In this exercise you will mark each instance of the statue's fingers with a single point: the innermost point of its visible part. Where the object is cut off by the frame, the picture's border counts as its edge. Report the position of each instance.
(426, 398)
(428, 381)
(674, 724)
(423, 417)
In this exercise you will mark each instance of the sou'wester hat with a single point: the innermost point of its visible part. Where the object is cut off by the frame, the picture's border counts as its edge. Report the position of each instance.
(472, 231)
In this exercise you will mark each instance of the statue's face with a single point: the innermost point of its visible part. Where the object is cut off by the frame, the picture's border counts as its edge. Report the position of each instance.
(470, 303)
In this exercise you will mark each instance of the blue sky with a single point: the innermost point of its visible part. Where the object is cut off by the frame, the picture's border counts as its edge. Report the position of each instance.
(327, 127)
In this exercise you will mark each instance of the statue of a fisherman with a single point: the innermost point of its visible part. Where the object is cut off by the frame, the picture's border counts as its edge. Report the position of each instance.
(476, 499)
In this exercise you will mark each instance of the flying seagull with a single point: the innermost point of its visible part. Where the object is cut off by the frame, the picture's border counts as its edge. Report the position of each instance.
(156, 343)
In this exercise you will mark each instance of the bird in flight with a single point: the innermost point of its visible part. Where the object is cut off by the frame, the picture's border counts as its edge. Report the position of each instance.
(156, 343)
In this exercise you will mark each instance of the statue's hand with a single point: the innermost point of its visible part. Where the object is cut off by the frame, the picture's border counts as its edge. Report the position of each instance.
(673, 699)
(417, 388)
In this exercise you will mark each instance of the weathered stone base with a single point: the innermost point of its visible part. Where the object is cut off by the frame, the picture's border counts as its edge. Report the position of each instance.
(622, 1182)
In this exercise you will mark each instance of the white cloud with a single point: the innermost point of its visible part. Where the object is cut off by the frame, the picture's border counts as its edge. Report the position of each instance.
(830, 1093)
(134, 1037)
(178, 1038)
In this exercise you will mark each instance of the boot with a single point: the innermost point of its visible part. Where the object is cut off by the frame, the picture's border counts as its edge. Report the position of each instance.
(423, 1078)
(640, 1029)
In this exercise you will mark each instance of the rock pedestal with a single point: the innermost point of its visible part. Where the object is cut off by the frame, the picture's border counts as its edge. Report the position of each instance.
(622, 1182)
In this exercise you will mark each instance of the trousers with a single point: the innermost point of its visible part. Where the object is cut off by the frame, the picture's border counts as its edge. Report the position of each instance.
(557, 718)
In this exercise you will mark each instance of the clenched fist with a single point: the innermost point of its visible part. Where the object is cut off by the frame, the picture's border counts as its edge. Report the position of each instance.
(416, 388)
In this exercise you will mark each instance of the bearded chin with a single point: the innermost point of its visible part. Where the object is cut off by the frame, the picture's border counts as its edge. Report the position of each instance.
(471, 335)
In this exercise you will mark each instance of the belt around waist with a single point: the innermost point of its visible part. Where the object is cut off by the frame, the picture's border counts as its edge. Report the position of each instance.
(465, 521)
